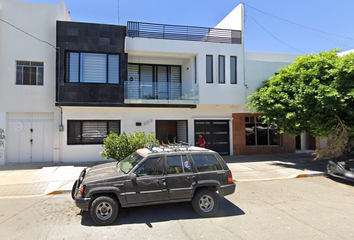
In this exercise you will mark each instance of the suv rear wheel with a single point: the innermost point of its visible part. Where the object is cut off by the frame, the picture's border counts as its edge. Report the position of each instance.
(104, 210)
(205, 202)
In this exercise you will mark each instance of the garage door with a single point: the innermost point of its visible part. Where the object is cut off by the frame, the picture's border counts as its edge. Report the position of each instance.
(216, 134)
(30, 137)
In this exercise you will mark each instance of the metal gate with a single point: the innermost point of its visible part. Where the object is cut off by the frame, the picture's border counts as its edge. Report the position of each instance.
(30, 137)
(216, 133)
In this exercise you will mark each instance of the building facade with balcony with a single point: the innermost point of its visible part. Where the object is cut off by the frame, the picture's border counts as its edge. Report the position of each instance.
(175, 81)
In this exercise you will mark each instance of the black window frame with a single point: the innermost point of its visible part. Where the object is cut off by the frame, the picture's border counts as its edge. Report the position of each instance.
(221, 69)
(183, 160)
(67, 76)
(23, 67)
(154, 70)
(72, 130)
(255, 123)
(233, 80)
(211, 80)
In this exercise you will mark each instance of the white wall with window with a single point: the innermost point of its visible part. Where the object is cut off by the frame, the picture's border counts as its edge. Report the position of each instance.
(27, 65)
(150, 119)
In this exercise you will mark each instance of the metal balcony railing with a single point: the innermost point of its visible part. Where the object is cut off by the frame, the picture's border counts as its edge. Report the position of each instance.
(160, 92)
(187, 33)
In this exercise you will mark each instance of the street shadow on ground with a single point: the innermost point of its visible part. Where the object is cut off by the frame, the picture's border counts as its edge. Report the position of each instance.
(163, 213)
(341, 181)
(303, 164)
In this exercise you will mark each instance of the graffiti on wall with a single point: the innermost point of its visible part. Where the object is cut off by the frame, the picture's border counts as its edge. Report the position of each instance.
(2, 138)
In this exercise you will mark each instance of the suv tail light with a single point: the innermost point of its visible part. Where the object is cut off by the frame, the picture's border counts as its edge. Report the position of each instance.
(229, 178)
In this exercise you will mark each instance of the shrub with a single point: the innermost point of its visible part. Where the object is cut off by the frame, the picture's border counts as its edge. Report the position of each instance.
(121, 146)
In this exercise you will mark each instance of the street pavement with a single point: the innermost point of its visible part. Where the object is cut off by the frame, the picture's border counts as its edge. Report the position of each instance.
(29, 180)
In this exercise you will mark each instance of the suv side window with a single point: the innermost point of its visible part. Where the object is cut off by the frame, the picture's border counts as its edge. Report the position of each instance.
(178, 164)
(151, 166)
(206, 162)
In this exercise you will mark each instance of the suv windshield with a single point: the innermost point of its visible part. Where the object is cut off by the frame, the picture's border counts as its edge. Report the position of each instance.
(129, 162)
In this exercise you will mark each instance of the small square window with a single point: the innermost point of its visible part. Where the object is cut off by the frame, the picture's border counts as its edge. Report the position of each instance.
(29, 73)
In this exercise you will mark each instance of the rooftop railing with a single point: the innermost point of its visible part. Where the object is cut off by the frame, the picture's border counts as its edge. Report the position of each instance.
(187, 33)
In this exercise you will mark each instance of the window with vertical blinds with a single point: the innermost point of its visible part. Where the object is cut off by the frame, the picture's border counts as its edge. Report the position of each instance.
(221, 69)
(209, 68)
(233, 70)
(91, 131)
(93, 68)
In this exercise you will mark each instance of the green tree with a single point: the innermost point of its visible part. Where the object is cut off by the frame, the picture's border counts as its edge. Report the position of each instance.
(314, 94)
(121, 146)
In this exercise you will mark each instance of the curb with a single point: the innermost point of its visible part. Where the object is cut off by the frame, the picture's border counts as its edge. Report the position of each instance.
(297, 175)
(58, 192)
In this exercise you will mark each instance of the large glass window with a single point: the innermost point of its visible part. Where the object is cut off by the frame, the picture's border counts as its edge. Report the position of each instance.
(90, 131)
(29, 73)
(233, 70)
(259, 134)
(221, 69)
(209, 68)
(93, 68)
(148, 81)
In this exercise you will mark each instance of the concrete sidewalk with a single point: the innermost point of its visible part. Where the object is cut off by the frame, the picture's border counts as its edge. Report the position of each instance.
(25, 180)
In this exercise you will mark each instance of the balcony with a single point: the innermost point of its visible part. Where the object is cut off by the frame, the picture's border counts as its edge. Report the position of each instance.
(140, 92)
(186, 33)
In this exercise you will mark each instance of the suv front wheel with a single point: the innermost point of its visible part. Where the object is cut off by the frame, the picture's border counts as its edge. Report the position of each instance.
(205, 202)
(104, 210)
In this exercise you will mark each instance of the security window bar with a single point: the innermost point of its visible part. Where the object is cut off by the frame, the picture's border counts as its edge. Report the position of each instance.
(259, 134)
(209, 68)
(221, 69)
(233, 70)
(93, 68)
(29, 73)
(91, 131)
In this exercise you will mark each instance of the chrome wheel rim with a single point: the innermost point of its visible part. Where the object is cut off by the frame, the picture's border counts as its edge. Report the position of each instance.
(104, 210)
(206, 203)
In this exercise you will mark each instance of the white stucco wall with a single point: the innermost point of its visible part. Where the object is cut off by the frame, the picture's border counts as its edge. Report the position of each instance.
(128, 118)
(38, 20)
(160, 51)
(260, 66)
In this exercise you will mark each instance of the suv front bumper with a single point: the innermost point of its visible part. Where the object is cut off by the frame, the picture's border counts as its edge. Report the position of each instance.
(83, 203)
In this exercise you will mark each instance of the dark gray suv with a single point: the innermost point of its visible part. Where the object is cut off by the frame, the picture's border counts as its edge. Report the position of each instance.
(154, 175)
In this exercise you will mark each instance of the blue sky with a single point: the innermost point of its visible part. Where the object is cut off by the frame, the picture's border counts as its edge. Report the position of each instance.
(264, 32)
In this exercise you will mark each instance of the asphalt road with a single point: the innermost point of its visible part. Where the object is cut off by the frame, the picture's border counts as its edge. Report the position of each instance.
(307, 208)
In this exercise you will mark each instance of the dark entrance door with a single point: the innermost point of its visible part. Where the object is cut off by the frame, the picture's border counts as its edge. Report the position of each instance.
(171, 131)
(216, 134)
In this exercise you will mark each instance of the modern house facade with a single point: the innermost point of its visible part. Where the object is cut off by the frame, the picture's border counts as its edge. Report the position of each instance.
(175, 81)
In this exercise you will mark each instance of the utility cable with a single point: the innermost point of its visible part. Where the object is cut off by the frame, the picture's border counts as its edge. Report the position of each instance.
(274, 35)
(336, 35)
(29, 34)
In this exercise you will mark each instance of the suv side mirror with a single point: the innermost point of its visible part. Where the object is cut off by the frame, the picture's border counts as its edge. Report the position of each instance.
(133, 177)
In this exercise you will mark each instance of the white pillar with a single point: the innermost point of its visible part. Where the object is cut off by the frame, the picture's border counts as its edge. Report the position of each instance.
(2, 137)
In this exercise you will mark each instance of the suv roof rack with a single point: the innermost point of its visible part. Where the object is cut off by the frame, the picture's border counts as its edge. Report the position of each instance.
(172, 147)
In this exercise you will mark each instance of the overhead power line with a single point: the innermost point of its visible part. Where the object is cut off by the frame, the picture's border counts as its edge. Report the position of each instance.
(312, 29)
(28, 34)
(274, 35)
